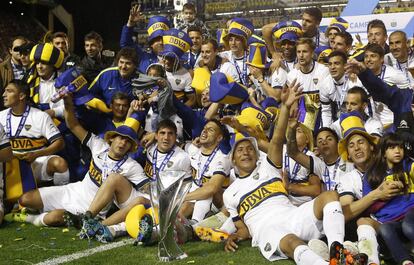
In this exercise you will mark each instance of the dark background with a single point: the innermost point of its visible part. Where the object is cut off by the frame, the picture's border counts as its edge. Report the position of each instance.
(104, 17)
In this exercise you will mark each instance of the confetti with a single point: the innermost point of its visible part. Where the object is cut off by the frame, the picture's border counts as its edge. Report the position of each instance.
(190, 261)
(19, 239)
(230, 262)
(65, 230)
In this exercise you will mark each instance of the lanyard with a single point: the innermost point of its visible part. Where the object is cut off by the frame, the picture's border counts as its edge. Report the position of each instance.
(296, 167)
(344, 88)
(200, 173)
(317, 38)
(326, 176)
(404, 70)
(21, 123)
(242, 75)
(382, 74)
(164, 162)
(189, 58)
(115, 168)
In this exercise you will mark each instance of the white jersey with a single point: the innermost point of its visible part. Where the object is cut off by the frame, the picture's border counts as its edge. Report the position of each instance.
(37, 132)
(46, 91)
(102, 165)
(330, 174)
(289, 65)
(228, 69)
(4, 143)
(391, 76)
(390, 60)
(239, 64)
(205, 166)
(333, 94)
(351, 184)
(180, 81)
(279, 78)
(372, 125)
(297, 174)
(320, 39)
(176, 159)
(311, 82)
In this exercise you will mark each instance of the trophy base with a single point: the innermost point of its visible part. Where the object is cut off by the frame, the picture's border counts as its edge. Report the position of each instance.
(168, 259)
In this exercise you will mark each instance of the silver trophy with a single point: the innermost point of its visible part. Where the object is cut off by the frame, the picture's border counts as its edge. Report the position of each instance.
(167, 196)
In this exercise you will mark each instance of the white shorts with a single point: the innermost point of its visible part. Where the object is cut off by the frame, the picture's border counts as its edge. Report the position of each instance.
(39, 168)
(132, 196)
(300, 221)
(74, 197)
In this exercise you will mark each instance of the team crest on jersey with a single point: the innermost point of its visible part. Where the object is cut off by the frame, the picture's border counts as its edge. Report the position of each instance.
(268, 247)
(315, 81)
(170, 163)
(256, 177)
(177, 81)
(27, 126)
(342, 167)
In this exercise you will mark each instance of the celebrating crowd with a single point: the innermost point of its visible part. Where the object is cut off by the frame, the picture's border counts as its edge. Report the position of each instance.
(299, 140)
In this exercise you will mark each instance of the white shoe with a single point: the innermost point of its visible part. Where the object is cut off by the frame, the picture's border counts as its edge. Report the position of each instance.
(320, 248)
(352, 247)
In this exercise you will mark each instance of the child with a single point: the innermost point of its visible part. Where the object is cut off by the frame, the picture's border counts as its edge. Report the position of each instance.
(395, 216)
(188, 19)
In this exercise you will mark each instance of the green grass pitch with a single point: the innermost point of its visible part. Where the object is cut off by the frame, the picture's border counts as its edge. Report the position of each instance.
(27, 244)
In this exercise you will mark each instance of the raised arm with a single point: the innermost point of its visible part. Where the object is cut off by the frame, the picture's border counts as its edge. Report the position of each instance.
(289, 97)
(71, 121)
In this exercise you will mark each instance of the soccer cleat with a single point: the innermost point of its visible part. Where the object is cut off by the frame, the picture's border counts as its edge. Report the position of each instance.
(145, 230)
(104, 235)
(320, 248)
(16, 217)
(211, 234)
(90, 226)
(338, 255)
(71, 219)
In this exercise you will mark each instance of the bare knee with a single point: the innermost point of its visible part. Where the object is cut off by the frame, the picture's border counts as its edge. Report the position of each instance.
(57, 164)
(329, 196)
(54, 218)
(289, 243)
(32, 200)
(368, 221)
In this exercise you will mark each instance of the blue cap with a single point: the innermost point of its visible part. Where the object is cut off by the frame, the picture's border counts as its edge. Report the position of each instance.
(176, 43)
(156, 27)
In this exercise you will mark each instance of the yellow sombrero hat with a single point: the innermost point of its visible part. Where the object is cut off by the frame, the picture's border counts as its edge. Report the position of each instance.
(351, 124)
(128, 129)
(48, 54)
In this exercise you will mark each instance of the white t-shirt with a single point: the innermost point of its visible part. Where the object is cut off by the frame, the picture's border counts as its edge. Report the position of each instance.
(180, 81)
(333, 92)
(206, 166)
(37, 132)
(330, 174)
(372, 125)
(102, 165)
(176, 159)
(228, 69)
(350, 184)
(390, 60)
(256, 196)
(239, 64)
(310, 82)
(279, 78)
(46, 91)
(298, 174)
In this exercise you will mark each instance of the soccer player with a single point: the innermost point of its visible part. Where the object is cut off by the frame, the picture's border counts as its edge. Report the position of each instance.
(116, 79)
(109, 157)
(258, 195)
(374, 60)
(5, 155)
(334, 88)
(357, 100)
(401, 56)
(210, 168)
(311, 18)
(310, 75)
(191, 57)
(33, 135)
(165, 155)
